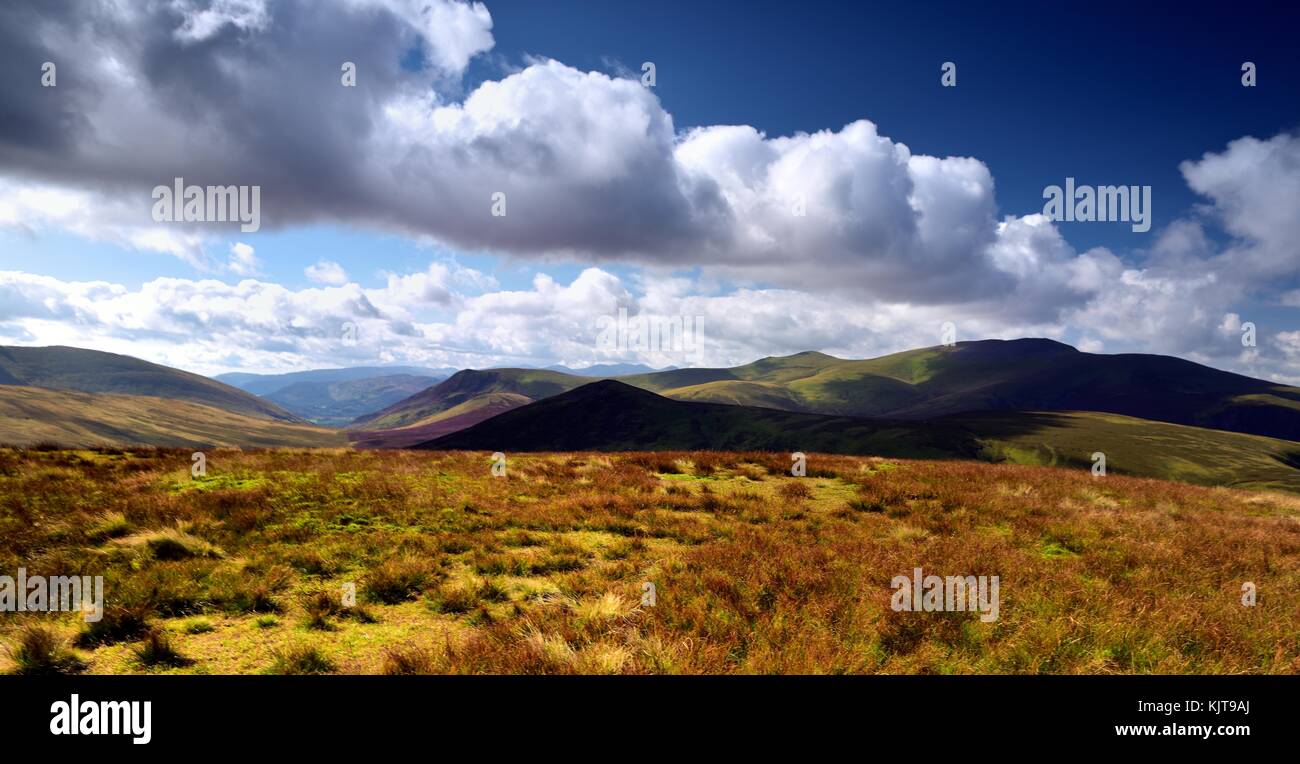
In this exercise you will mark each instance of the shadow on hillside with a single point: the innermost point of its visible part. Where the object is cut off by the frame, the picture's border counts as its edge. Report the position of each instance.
(1006, 424)
(1289, 458)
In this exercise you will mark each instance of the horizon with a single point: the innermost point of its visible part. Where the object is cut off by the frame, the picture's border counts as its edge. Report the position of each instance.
(652, 370)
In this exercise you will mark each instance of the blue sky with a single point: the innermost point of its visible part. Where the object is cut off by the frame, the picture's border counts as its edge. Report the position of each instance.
(1109, 94)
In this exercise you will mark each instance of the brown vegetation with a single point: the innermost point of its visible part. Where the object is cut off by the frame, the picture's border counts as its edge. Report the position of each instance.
(543, 570)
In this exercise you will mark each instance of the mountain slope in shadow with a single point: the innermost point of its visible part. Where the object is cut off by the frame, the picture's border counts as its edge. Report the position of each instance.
(929, 383)
(612, 416)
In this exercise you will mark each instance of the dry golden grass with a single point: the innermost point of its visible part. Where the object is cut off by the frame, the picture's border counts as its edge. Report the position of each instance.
(542, 571)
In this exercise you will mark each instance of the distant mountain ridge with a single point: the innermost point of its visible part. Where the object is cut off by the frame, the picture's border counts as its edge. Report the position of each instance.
(334, 397)
(265, 384)
(608, 369)
(928, 383)
(1022, 401)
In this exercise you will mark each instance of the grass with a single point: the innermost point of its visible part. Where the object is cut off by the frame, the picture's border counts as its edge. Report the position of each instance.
(157, 651)
(301, 659)
(198, 626)
(171, 544)
(34, 416)
(40, 651)
(1139, 447)
(755, 571)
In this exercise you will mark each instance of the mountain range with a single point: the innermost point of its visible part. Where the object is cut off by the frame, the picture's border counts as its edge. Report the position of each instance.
(334, 397)
(1029, 401)
(987, 375)
(609, 415)
(608, 369)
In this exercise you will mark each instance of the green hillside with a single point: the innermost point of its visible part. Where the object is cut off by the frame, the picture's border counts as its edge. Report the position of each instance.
(926, 384)
(611, 416)
(92, 371)
(996, 375)
(1137, 447)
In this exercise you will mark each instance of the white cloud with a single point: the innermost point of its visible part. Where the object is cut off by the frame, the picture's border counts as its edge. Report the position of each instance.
(35, 208)
(1253, 186)
(889, 244)
(243, 261)
(454, 32)
(327, 272)
(201, 21)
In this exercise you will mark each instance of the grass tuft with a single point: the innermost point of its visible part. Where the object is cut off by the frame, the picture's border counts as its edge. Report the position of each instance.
(40, 651)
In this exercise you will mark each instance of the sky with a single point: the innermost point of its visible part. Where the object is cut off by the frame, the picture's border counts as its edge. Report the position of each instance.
(797, 177)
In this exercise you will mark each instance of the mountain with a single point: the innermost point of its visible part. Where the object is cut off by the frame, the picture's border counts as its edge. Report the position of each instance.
(462, 387)
(608, 369)
(34, 415)
(266, 384)
(927, 383)
(1042, 375)
(609, 415)
(334, 404)
(335, 397)
(94, 371)
(458, 417)
(612, 416)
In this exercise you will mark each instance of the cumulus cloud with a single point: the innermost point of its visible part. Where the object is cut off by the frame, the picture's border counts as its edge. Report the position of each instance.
(37, 208)
(243, 261)
(841, 239)
(327, 272)
(212, 326)
(591, 166)
(1253, 186)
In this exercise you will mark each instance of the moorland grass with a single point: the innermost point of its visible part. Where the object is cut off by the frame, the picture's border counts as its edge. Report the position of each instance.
(544, 571)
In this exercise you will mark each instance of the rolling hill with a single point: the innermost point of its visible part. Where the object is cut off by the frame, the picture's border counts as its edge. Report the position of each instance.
(464, 386)
(34, 415)
(608, 415)
(458, 417)
(1138, 447)
(93, 371)
(612, 416)
(1026, 375)
(929, 383)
